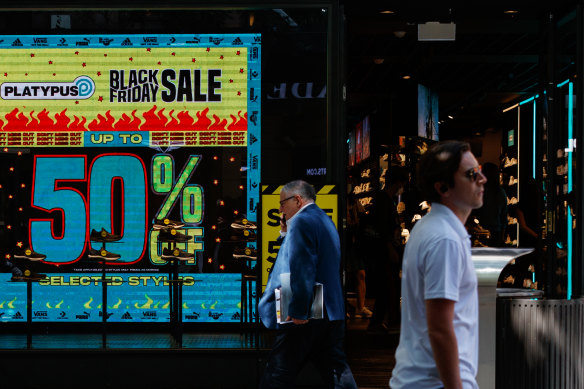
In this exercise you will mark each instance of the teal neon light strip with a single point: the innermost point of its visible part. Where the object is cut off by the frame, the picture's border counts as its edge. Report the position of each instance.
(563, 83)
(570, 183)
(534, 140)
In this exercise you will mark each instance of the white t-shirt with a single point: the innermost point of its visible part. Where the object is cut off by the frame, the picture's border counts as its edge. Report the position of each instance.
(437, 264)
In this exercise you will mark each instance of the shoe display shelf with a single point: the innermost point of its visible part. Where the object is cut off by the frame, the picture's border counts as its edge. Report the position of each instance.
(243, 232)
(29, 277)
(168, 234)
(103, 256)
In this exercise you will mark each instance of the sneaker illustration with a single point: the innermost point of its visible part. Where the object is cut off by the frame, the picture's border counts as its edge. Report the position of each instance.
(160, 224)
(176, 254)
(103, 254)
(103, 236)
(28, 276)
(245, 252)
(172, 235)
(243, 223)
(29, 254)
(240, 235)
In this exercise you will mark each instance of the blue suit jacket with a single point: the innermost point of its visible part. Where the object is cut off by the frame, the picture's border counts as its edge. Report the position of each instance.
(311, 253)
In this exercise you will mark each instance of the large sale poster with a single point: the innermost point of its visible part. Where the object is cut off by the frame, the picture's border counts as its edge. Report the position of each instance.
(129, 152)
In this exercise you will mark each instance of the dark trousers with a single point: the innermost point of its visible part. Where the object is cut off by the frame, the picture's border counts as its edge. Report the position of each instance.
(319, 341)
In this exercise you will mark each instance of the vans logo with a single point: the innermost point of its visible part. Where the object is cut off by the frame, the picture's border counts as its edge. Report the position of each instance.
(40, 42)
(150, 41)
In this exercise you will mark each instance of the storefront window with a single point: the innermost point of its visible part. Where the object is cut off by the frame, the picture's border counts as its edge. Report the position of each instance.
(134, 144)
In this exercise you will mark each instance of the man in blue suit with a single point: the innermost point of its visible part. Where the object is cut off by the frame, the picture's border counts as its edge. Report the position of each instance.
(310, 252)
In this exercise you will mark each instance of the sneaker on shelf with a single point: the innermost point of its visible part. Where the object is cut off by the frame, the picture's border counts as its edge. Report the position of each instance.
(245, 252)
(176, 254)
(103, 254)
(172, 235)
(103, 236)
(29, 254)
(243, 223)
(364, 312)
(240, 235)
(160, 224)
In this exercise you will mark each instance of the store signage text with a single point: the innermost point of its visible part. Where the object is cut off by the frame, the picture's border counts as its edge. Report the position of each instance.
(184, 85)
(298, 90)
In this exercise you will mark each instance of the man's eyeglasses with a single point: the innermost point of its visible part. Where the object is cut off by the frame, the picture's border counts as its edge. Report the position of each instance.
(473, 174)
(286, 199)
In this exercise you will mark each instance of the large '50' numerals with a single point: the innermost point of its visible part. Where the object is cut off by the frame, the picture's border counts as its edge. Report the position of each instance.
(50, 193)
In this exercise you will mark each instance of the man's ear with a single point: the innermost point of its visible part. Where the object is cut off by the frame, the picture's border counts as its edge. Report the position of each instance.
(441, 187)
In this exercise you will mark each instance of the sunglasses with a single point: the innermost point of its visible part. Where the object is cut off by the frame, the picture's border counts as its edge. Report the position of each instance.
(474, 173)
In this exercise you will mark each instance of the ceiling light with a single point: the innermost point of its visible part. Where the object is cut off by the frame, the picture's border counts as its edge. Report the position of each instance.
(386, 12)
(450, 117)
(406, 77)
(510, 12)
(378, 61)
(399, 34)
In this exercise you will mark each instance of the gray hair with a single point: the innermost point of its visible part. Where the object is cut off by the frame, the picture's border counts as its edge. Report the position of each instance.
(301, 188)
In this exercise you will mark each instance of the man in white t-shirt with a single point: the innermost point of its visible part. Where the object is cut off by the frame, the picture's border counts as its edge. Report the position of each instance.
(438, 346)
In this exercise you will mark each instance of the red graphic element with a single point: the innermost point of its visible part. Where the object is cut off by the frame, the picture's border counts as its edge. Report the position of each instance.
(241, 70)
(131, 59)
(221, 57)
(239, 123)
(194, 60)
(149, 49)
(5, 74)
(98, 74)
(77, 53)
(54, 74)
(50, 62)
(239, 93)
(84, 64)
(238, 52)
(26, 74)
(127, 124)
(31, 55)
(160, 63)
(100, 99)
(230, 80)
(102, 123)
(105, 54)
(152, 120)
(208, 49)
(173, 53)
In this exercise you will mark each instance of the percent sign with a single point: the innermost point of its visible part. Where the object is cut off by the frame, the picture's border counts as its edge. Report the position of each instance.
(163, 182)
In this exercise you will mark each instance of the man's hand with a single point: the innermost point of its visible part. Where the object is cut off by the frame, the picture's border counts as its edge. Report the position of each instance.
(297, 321)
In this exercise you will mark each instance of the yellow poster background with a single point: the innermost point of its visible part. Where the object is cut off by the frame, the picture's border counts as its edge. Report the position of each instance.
(271, 225)
(97, 112)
